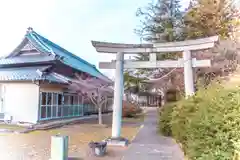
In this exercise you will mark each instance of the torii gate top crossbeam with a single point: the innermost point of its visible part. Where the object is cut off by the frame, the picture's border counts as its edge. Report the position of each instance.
(107, 47)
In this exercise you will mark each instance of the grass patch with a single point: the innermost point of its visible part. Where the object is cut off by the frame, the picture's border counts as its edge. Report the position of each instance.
(79, 136)
(11, 127)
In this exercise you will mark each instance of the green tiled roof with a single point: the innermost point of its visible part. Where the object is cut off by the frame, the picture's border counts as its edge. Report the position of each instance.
(21, 60)
(27, 74)
(67, 57)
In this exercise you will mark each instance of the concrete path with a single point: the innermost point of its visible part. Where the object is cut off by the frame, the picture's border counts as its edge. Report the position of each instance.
(149, 145)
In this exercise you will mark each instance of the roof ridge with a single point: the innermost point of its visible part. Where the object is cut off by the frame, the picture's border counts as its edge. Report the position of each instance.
(60, 48)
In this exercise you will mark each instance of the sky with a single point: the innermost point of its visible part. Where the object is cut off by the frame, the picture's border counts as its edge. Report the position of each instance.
(71, 24)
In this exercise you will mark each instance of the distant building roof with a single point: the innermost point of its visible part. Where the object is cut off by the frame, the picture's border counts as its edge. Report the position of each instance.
(68, 58)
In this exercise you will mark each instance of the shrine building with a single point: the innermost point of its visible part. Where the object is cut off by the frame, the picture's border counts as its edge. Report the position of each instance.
(35, 79)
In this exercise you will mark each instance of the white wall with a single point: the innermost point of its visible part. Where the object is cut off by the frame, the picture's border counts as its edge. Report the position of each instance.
(51, 88)
(21, 101)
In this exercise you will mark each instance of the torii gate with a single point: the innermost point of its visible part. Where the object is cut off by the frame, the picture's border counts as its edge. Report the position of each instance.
(152, 49)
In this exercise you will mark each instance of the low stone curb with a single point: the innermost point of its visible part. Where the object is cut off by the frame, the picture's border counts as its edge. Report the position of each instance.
(57, 125)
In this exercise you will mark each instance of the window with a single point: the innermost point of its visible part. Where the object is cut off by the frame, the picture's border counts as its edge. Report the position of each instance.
(58, 105)
(66, 99)
(43, 112)
(60, 99)
(48, 105)
(49, 98)
(43, 97)
(71, 100)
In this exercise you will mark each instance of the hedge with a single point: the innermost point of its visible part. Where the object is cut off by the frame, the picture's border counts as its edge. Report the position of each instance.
(207, 124)
(165, 120)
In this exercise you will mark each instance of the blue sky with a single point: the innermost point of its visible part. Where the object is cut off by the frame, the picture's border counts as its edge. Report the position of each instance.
(71, 23)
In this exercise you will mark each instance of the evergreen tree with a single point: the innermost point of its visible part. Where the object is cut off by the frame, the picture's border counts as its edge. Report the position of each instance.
(160, 22)
(211, 17)
(205, 18)
(132, 84)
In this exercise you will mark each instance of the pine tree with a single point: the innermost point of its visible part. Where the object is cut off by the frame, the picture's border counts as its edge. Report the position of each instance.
(161, 22)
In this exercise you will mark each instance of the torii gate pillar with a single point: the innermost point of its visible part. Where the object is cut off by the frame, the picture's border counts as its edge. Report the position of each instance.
(116, 139)
(118, 97)
(188, 74)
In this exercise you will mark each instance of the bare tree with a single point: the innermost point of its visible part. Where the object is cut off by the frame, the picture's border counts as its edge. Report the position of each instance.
(98, 98)
(98, 91)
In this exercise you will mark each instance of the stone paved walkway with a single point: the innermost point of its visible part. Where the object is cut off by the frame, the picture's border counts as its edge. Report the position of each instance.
(149, 145)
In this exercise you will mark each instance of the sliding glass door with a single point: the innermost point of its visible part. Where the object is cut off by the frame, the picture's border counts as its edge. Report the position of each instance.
(60, 105)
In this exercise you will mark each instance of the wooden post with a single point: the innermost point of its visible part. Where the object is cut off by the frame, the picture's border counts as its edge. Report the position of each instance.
(118, 97)
(59, 147)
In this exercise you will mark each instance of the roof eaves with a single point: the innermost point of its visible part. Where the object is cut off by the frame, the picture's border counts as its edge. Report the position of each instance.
(23, 43)
(104, 77)
(96, 73)
(17, 49)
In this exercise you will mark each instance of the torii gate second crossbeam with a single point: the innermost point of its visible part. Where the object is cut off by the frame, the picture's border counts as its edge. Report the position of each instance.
(120, 49)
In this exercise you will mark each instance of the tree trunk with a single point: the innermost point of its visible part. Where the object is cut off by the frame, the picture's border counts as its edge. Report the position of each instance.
(100, 120)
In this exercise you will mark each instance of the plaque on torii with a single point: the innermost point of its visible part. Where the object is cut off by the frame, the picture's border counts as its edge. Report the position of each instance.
(187, 62)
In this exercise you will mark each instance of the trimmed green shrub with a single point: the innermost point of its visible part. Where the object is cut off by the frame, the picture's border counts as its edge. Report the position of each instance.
(207, 124)
(165, 120)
